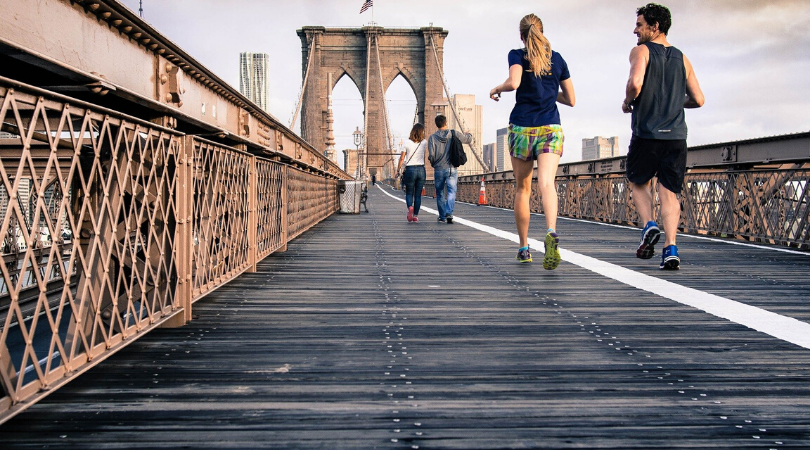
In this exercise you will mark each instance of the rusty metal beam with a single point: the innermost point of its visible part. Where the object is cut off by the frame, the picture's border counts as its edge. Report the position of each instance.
(119, 55)
(735, 155)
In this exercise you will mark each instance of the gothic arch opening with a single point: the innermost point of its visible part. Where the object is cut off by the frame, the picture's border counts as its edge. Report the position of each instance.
(402, 109)
(373, 56)
(347, 107)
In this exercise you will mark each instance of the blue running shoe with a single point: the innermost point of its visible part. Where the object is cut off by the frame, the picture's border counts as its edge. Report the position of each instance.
(670, 259)
(649, 237)
(524, 255)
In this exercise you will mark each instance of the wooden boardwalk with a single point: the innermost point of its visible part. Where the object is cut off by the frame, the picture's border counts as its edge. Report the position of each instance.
(372, 333)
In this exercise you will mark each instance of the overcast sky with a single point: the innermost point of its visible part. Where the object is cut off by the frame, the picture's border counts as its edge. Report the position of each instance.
(751, 57)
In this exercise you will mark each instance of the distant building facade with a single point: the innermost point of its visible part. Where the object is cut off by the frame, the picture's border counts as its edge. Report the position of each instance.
(350, 162)
(472, 116)
(502, 158)
(253, 71)
(489, 156)
(600, 147)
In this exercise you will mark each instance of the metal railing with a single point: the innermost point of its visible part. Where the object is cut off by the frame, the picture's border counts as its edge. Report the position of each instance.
(768, 205)
(112, 226)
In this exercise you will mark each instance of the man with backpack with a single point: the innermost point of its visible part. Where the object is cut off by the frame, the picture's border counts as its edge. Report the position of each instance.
(444, 149)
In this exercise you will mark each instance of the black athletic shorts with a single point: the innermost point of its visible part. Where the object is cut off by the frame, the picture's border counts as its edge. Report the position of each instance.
(648, 158)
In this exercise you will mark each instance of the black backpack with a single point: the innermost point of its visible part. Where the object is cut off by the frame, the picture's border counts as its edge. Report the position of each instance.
(457, 155)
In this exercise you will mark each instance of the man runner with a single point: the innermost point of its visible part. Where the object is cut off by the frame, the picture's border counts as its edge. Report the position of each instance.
(661, 84)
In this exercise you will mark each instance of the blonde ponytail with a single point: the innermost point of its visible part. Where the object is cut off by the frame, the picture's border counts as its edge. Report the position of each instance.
(538, 49)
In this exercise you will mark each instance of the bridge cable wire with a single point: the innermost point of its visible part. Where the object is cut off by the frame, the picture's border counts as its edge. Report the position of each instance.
(389, 137)
(361, 173)
(459, 120)
(303, 87)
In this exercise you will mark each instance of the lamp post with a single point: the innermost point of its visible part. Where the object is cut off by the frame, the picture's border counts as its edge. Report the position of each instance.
(358, 140)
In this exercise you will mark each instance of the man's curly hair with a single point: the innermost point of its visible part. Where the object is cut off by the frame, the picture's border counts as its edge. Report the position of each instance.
(654, 13)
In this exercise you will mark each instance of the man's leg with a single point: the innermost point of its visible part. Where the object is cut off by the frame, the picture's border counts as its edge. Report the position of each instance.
(452, 185)
(523, 171)
(440, 179)
(670, 214)
(643, 198)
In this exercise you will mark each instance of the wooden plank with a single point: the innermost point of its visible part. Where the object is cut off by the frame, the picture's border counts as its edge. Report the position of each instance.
(369, 329)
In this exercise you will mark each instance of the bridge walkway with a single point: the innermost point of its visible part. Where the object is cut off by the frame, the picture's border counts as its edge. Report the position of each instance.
(370, 332)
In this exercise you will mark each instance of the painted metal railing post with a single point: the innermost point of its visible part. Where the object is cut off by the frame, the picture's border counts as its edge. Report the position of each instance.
(253, 213)
(285, 184)
(184, 236)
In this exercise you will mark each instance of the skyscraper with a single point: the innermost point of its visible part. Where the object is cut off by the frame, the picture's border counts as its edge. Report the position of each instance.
(502, 157)
(600, 147)
(489, 156)
(253, 69)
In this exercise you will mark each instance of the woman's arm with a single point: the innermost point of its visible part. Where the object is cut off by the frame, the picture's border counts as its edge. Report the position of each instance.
(566, 95)
(511, 83)
(399, 165)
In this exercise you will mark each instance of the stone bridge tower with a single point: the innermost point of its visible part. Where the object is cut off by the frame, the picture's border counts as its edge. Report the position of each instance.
(353, 52)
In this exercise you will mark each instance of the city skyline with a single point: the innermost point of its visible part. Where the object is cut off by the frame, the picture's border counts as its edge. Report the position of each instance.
(722, 38)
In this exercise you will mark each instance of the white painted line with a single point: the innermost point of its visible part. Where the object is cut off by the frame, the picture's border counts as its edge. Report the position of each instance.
(781, 327)
(688, 236)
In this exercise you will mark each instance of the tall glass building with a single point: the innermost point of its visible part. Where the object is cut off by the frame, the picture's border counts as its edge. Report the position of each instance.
(253, 69)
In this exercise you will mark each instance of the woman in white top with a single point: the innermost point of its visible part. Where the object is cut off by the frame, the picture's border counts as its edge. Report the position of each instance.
(414, 170)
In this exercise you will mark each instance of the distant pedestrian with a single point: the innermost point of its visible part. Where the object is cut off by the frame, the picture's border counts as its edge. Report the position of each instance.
(444, 174)
(374, 180)
(540, 76)
(661, 84)
(413, 170)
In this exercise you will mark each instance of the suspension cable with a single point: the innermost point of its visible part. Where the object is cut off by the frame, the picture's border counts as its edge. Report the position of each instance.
(453, 107)
(303, 86)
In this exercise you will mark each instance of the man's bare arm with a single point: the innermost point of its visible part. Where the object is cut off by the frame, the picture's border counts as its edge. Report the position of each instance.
(639, 58)
(694, 96)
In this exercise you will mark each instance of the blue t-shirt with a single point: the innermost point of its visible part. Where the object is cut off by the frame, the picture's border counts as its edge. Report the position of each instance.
(536, 97)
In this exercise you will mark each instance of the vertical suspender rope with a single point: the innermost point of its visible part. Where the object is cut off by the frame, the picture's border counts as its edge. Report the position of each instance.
(303, 86)
(365, 108)
(389, 139)
(453, 107)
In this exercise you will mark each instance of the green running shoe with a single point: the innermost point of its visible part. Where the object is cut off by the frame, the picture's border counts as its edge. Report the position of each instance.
(552, 258)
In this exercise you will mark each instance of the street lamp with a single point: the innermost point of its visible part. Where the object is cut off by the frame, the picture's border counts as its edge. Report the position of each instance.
(358, 137)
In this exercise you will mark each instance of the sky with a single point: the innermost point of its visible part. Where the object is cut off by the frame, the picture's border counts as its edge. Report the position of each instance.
(751, 57)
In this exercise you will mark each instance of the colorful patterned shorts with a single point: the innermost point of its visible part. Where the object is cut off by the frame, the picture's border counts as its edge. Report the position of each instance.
(527, 143)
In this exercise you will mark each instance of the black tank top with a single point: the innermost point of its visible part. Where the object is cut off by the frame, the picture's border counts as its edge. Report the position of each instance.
(658, 110)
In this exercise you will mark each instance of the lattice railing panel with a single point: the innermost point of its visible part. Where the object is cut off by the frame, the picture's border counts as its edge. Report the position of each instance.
(220, 240)
(310, 199)
(769, 206)
(270, 189)
(88, 219)
(762, 205)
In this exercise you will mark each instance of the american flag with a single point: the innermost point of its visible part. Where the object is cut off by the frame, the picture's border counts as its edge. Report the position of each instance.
(368, 4)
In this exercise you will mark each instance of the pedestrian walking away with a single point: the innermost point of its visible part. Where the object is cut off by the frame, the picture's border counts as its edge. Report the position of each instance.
(540, 77)
(413, 170)
(661, 84)
(445, 176)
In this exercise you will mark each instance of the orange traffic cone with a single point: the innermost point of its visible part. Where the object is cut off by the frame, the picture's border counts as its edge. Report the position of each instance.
(423, 190)
(482, 194)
